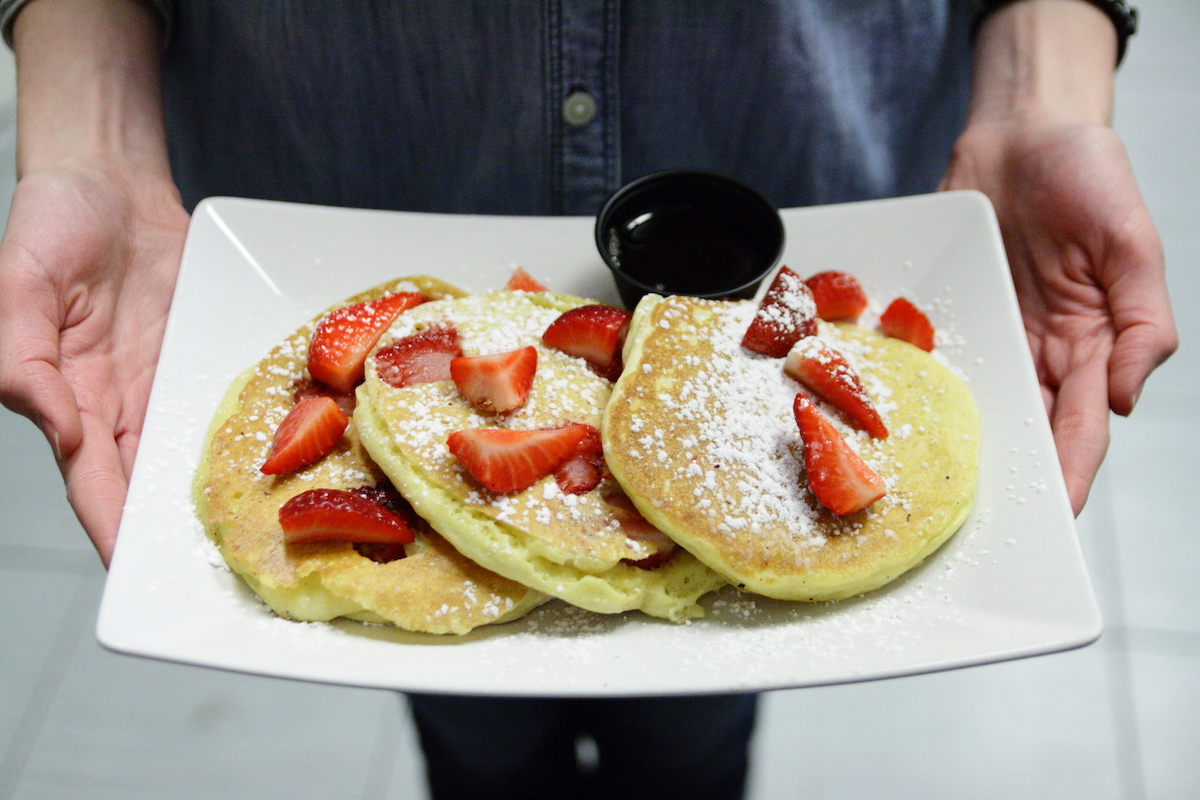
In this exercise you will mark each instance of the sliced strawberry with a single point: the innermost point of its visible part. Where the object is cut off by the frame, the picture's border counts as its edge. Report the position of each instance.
(336, 515)
(584, 468)
(496, 382)
(422, 357)
(308, 433)
(311, 388)
(522, 281)
(903, 320)
(594, 333)
(786, 314)
(345, 336)
(839, 295)
(838, 478)
(380, 552)
(825, 371)
(384, 494)
(665, 552)
(638, 528)
(505, 460)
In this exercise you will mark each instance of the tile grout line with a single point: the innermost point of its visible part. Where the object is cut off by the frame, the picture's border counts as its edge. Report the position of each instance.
(80, 614)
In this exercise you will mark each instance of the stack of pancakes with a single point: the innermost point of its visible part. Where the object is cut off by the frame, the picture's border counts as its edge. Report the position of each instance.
(697, 438)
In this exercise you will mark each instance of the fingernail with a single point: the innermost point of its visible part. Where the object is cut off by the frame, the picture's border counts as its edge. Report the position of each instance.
(52, 438)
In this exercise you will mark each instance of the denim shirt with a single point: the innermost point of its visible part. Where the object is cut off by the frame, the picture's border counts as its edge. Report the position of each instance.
(546, 107)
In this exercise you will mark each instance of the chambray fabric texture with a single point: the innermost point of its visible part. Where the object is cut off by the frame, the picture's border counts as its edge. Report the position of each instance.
(427, 105)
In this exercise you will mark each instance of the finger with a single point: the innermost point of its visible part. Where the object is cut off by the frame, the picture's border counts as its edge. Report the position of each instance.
(30, 381)
(97, 484)
(1141, 310)
(1137, 352)
(1080, 426)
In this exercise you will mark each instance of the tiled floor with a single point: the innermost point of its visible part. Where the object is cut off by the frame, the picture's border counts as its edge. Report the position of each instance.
(1115, 720)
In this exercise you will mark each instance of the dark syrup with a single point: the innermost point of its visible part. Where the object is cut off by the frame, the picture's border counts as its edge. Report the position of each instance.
(683, 247)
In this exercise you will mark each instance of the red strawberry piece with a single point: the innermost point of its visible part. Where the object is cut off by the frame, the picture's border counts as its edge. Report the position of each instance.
(786, 314)
(422, 357)
(308, 433)
(506, 460)
(584, 468)
(496, 382)
(311, 388)
(594, 333)
(838, 478)
(380, 552)
(665, 552)
(522, 281)
(345, 336)
(903, 320)
(826, 372)
(839, 295)
(337, 515)
(384, 494)
(638, 528)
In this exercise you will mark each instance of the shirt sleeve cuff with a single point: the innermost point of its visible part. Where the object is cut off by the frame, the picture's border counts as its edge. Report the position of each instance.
(10, 8)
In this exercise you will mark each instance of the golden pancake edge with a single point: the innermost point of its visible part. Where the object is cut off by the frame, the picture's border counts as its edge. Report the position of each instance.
(701, 435)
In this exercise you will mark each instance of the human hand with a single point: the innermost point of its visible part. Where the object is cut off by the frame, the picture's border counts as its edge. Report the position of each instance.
(88, 262)
(1087, 265)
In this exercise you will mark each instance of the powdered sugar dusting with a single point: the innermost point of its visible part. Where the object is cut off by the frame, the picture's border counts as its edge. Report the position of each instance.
(422, 417)
(739, 405)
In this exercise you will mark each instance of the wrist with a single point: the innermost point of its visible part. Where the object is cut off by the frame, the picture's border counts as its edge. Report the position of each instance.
(1123, 16)
(89, 87)
(1044, 62)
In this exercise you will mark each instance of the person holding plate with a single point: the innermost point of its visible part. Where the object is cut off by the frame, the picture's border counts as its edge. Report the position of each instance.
(131, 111)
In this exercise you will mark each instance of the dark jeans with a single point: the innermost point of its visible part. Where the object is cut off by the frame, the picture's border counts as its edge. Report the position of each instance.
(659, 747)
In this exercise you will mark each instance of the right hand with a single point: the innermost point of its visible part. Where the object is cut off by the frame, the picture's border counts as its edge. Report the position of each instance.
(88, 264)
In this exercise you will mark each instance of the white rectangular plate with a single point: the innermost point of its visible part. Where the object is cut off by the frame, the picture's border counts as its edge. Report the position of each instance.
(1011, 583)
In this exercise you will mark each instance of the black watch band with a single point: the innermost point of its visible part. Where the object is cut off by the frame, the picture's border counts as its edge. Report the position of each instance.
(1124, 18)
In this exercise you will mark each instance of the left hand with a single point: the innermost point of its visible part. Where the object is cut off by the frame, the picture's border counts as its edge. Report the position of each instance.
(1087, 264)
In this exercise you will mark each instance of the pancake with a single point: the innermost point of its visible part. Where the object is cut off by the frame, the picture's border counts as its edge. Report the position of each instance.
(573, 546)
(701, 435)
(432, 589)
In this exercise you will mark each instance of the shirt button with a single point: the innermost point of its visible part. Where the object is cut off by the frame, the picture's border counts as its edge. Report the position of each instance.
(579, 109)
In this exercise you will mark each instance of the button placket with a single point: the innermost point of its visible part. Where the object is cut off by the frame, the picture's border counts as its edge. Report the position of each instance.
(587, 129)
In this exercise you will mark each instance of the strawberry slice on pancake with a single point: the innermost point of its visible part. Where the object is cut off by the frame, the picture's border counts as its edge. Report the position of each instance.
(594, 333)
(496, 382)
(786, 314)
(507, 460)
(839, 479)
(826, 372)
(838, 295)
(309, 432)
(338, 515)
(423, 357)
(346, 335)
